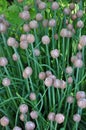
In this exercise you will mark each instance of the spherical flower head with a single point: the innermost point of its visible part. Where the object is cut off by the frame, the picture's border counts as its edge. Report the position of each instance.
(34, 114)
(48, 73)
(22, 117)
(23, 45)
(39, 17)
(45, 23)
(23, 108)
(36, 52)
(23, 37)
(30, 38)
(69, 33)
(82, 40)
(42, 75)
(11, 41)
(3, 28)
(45, 40)
(27, 72)
(63, 84)
(73, 59)
(51, 116)
(69, 26)
(55, 53)
(80, 24)
(6, 82)
(30, 125)
(80, 94)
(33, 24)
(56, 36)
(70, 80)
(17, 128)
(53, 77)
(32, 96)
(26, 28)
(4, 121)
(70, 99)
(3, 61)
(76, 117)
(67, 11)
(25, 15)
(78, 63)
(57, 83)
(81, 103)
(79, 55)
(48, 82)
(26, 8)
(42, 5)
(55, 6)
(69, 70)
(59, 118)
(15, 57)
(52, 23)
(73, 17)
(72, 6)
(64, 32)
(79, 13)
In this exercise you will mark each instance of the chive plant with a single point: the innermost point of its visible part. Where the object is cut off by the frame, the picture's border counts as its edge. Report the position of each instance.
(43, 70)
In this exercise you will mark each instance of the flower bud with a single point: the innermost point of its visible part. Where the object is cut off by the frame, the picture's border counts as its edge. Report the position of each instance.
(3, 28)
(80, 24)
(30, 38)
(64, 32)
(79, 13)
(67, 11)
(80, 94)
(17, 128)
(39, 17)
(4, 121)
(70, 80)
(48, 82)
(23, 108)
(27, 72)
(42, 75)
(25, 15)
(76, 117)
(32, 96)
(33, 24)
(70, 99)
(69, 70)
(54, 53)
(30, 125)
(57, 83)
(48, 73)
(52, 23)
(82, 40)
(55, 6)
(63, 84)
(6, 82)
(22, 117)
(26, 28)
(23, 45)
(36, 52)
(23, 37)
(78, 63)
(34, 114)
(56, 36)
(72, 6)
(3, 61)
(59, 118)
(42, 5)
(11, 41)
(45, 39)
(81, 103)
(45, 23)
(15, 57)
(51, 116)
